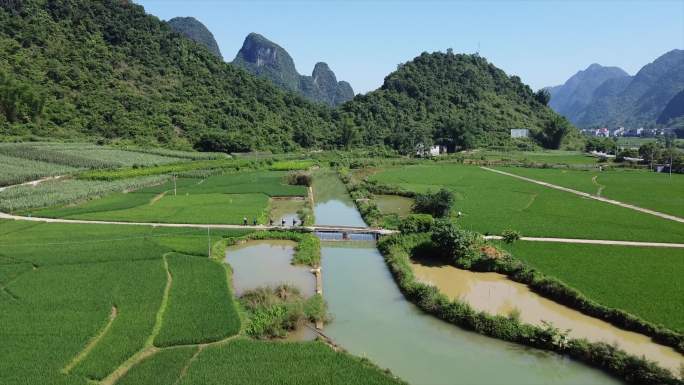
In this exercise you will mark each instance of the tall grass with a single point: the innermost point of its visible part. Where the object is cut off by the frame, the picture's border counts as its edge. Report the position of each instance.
(17, 170)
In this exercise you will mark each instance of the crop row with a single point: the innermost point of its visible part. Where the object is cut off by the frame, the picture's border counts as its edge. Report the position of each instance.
(192, 155)
(62, 192)
(200, 307)
(17, 170)
(84, 155)
(175, 168)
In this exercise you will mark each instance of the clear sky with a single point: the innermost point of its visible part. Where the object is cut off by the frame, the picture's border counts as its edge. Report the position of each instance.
(543, 42)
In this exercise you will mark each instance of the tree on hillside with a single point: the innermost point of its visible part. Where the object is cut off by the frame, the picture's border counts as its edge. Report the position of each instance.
(349, 133)
(554, 130)
(543, 96)
(19, 102)
(456, 133)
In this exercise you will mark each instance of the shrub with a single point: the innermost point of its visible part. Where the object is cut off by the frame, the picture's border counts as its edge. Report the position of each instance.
(438, 204)
(510, 236)
(461, 246)
(299, 178)
(416, 223)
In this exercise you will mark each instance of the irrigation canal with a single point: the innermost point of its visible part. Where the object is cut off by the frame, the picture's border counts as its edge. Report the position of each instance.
(371, 317)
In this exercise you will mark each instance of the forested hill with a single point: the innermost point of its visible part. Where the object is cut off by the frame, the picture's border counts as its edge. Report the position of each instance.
(453, 99)
(106, 69)
(195, 30)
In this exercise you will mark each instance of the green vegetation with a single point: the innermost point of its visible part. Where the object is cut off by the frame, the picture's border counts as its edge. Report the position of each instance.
(83, 155)
(200, 307)
(17, 170)
(219, 199)
(272, 312)
(608, 276)
(655, 191)
(291, 165)
(244, 361)
(163, 368)
(531, 158)
(460, 101)
(219, 164)
(107, 70)
(67, 191)
(491, 203)
(437, 204)
(398, 250)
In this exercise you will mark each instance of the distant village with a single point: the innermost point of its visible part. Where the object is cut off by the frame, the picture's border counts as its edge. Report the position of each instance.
(631, 132)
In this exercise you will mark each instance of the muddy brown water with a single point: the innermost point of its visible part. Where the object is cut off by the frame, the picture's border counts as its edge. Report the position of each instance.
(285, 209)
(496, 294)
(268, 263)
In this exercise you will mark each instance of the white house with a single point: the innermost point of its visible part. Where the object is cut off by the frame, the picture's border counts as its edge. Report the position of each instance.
(520, 133)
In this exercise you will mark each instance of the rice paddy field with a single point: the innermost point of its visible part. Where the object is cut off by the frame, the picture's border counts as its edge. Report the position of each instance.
(225, 199)
(85, 299)
(656, 191)
(490, 203)
(643, 281)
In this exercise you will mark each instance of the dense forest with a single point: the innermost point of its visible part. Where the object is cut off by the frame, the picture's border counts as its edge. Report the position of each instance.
(196, 31)
(457, 100)
(105, 70)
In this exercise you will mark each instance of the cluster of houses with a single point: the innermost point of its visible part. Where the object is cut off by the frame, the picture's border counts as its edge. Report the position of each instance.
(605, 132)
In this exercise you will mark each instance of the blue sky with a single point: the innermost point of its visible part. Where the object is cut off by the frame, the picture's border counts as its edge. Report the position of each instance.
(543, 42)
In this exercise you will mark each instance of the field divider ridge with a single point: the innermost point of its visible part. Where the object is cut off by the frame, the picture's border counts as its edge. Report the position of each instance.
(590, 196)
(592, 241)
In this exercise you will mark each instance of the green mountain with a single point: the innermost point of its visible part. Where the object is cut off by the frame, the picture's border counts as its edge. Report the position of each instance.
(267, 59)
(106, 69)
(573, 97)
(195, 30)
(453, 99)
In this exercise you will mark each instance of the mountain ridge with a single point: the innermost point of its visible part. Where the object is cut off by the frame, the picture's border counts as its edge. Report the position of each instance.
(268, 60)
(195, 30)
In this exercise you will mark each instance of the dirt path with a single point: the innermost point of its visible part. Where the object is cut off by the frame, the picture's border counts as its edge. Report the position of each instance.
(597, 184)
(594, 241)
(586, 195)
(92, 343)
(33, 182)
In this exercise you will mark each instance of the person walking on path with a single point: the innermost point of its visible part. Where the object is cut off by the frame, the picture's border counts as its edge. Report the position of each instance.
(255, 221)
(244, 221)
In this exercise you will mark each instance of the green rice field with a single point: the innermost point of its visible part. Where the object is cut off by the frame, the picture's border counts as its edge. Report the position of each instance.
(557, 157)
(226, 199)
(87, 298)
(643, 281)
(491, 203)
(651, 190)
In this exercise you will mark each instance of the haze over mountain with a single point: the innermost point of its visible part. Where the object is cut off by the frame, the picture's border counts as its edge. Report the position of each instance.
(630, 101)
(267, 59)
(195, 30)
(571, 98)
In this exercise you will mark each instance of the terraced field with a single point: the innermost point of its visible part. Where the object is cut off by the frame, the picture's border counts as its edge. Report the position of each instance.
(491, 203)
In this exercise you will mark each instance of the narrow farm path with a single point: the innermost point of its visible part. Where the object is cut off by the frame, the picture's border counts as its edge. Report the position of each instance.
(594, 241)
(590, 196)
(34, 182)
(186, 367)
(91, 344)
(597, 184)
(148, 349)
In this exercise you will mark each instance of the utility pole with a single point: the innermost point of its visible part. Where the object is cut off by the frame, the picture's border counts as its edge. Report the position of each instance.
(174, 185)
(209, 242)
